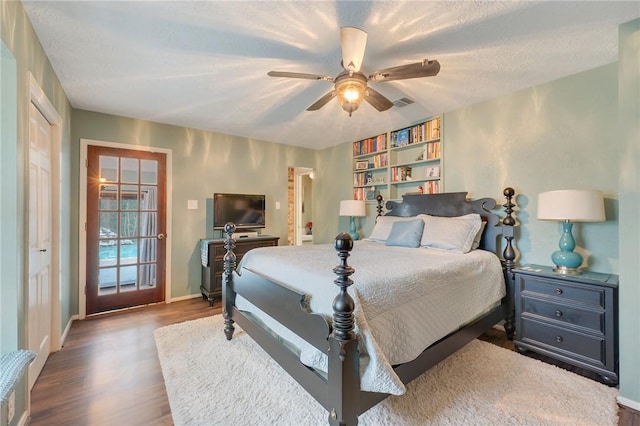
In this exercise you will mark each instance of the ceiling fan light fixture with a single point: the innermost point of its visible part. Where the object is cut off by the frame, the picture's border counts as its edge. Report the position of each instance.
(350, 92)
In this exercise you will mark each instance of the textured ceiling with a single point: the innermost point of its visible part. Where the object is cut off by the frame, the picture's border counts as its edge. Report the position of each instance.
(204, 64)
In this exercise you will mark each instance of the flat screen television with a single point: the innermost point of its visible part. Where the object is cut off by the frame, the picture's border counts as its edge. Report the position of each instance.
(244, 210)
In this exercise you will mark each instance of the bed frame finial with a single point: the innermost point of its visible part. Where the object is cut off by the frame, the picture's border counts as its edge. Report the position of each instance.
(229, 260)
(343, 354)
(379, 206)
(509, 221)
(343, 304)
(509, 260)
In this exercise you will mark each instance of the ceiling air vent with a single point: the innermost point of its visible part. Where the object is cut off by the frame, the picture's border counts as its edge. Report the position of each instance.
(402, 102)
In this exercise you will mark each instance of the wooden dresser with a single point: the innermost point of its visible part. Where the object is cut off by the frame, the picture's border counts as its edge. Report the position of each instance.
(212, 253)
(571, 318)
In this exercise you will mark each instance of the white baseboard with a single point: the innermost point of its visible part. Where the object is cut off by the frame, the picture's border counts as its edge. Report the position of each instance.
(187, 297)
(65, 333)
(628, 403)
(23, 419)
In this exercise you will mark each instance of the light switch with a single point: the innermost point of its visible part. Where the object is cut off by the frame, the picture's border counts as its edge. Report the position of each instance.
(277, 205)
(192, 204)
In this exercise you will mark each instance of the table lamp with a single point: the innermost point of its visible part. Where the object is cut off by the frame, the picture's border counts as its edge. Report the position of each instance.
(568, 206)
(353, 208)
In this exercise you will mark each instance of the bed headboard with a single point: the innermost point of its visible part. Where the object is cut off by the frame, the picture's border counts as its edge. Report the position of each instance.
(452, 204)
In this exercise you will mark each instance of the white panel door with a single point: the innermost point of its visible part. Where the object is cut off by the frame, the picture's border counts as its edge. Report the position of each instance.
(39, 315)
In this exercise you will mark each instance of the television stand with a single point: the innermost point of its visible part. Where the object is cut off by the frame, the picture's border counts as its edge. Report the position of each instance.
(212, 252)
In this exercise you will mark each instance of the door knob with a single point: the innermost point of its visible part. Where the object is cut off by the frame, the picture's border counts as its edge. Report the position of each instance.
(161, 236)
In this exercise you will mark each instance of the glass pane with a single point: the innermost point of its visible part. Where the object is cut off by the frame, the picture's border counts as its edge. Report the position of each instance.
(128, 252)
(108, 228)
(148, 247)
(147, 276)
(128, 224)
(108, 254)
(107, 280)
(129, 197)
(129, 170)
(148, 194)
(149, 173)
(108, 169)
(108, 197)
(148, 224)
(129, 278)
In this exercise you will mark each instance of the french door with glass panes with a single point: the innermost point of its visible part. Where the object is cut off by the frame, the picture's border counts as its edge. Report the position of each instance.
(126, 241)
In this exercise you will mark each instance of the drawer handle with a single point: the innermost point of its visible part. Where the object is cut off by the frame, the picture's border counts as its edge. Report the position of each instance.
(559, 339)
(558, 291)
(558, 313)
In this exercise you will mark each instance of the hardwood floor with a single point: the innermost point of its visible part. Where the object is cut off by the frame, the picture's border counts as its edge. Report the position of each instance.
(108, 371)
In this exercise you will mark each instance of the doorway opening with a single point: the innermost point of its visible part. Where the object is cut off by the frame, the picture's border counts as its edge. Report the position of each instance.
(301, 207)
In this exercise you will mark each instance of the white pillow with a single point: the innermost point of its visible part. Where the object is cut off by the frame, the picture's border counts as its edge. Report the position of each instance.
(382, 228)
(455, 234)
(478, 238)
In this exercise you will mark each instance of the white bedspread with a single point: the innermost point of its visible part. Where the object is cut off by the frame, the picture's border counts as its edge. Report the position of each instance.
(406, 298)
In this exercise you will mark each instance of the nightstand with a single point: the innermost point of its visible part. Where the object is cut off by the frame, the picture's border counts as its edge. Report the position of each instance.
(571, 318)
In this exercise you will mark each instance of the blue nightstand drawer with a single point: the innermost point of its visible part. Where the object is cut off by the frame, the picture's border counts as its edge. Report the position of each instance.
(587, 348)
(589, 319)
(593, 296)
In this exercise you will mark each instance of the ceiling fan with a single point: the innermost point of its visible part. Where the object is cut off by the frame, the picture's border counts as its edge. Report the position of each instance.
(350, 86)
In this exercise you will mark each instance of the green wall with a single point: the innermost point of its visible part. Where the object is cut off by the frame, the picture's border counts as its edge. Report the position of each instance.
(629, 178)
(203, 163)
(21, 46)
(8, 194)
(558, 135)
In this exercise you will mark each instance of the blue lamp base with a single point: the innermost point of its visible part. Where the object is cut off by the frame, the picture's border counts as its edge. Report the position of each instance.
(566, 260)
(352, 229)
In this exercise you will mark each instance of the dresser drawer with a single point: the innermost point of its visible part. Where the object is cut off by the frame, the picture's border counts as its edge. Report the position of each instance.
(576, 293)
(590, 319)
(242, 247)
(586, 348)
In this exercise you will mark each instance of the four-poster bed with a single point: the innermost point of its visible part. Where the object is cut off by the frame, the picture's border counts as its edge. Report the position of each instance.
(266, 304)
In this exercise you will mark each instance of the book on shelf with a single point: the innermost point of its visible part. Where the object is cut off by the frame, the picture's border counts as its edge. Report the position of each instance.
(400, 138)
(363, 178)
(432, 150)
(365, 194)
(370, 193)
(370, 145)
(431, 187)
(400, 173)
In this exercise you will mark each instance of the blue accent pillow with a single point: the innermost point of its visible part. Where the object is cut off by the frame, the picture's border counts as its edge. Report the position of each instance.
(406, 233)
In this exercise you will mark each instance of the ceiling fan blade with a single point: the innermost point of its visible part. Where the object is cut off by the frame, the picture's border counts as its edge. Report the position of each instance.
(353, 42)
(299, 75)
(425, 68)
(322, 101)
(376, 100)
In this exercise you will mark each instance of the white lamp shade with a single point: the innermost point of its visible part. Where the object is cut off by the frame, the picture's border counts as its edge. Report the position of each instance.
(576, 205)
(352, 208)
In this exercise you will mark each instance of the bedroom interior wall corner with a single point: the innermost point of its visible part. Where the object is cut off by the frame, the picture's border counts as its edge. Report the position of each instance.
(332, 183)
(629, 195)
(9, 296)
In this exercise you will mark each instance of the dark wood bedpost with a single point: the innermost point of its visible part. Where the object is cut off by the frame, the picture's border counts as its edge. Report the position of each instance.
(344, 365)
(379, 206)
(228, 296)
(509, 256)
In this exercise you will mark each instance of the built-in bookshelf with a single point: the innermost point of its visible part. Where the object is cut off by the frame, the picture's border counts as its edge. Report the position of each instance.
(402, 161)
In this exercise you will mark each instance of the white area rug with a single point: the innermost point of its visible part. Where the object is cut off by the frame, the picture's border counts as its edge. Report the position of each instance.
(212, 381)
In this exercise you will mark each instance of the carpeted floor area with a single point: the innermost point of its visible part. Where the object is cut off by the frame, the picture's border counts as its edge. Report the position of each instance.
(211, 381)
